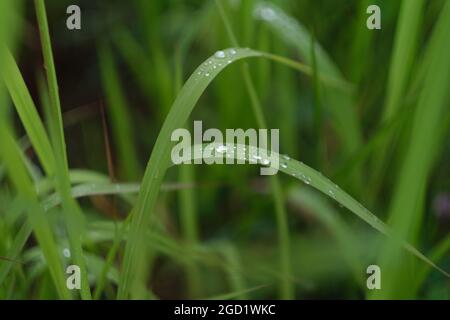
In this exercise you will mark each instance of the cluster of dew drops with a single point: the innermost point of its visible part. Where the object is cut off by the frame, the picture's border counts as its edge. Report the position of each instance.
(219, 59)
(255, 158)
(228, 151)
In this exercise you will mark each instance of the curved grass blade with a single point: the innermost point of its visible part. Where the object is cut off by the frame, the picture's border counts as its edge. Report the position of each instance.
(94, 189)
(159, 159)
(72, 213)
(309, 176)
(159, 162)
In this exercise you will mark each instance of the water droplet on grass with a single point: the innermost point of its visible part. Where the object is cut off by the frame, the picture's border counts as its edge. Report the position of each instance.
(305, 179)
(331, 193)
(220, 54)
(284, 165)
(66, 253)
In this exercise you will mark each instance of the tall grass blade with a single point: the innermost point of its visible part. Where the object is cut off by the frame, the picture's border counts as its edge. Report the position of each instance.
(27, 112)
(10, 155)
(405, 47)
(405, 214)
(72, 213)
(119, 115)
(160, 159)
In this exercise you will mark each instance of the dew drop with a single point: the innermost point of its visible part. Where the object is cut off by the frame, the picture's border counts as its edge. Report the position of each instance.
(308, 180)
(331, 193)
(233, 51)
(207, 74)
(286, 157)
(284, 165)
(265, 162)
(220, 54)
(305, 179)
(66, 253)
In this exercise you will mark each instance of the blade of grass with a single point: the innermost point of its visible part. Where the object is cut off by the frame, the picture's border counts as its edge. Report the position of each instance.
(188, 213)
(119, 115)
(15, 249)
(160, 159)
(320, 149)
(233, 268)
(315, 179)
(157, 165)
(11, 156)
(405, 47)
(72, 213)
(309, 176)
(405, 212)
(27, 112)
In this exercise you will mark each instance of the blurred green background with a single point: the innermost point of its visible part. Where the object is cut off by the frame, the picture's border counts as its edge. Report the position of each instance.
(217, 231)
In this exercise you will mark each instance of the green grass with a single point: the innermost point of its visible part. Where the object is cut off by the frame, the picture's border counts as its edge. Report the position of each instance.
(368, 109)
(118, 113)
(405, 214)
